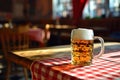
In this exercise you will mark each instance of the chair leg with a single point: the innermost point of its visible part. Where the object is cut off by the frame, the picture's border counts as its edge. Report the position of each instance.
(8, 70)
(25, 73)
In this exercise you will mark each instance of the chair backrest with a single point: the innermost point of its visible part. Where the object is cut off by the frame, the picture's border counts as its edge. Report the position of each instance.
(12, 39)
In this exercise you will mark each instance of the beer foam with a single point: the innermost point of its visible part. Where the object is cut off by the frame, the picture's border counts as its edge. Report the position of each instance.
(82, 33)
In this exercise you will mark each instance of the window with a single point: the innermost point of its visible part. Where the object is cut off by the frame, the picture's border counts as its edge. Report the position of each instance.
(62, 9)
(102, 9)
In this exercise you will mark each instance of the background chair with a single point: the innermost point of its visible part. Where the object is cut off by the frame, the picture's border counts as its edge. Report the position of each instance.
(13, 39)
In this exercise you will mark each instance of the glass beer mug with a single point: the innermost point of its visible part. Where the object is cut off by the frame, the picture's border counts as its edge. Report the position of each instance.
(82, 41)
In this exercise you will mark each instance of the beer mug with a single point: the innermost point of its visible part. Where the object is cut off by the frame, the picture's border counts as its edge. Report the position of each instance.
(82, 41)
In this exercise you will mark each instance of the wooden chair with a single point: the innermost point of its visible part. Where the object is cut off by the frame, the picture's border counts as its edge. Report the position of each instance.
(12, 39)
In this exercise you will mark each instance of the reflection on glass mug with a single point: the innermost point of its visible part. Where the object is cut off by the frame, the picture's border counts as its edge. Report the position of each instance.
(82, 41)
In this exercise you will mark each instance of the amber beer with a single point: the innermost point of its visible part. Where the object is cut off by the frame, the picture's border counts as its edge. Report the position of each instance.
(82, 41)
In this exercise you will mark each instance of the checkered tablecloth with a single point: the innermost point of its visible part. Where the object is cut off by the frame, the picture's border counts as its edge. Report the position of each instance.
(105, 68)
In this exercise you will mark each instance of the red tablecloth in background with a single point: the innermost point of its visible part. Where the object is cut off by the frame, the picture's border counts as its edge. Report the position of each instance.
(38, 35)
(104, 68)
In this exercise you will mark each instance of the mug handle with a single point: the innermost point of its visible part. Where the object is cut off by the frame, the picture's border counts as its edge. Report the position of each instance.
(102, 46)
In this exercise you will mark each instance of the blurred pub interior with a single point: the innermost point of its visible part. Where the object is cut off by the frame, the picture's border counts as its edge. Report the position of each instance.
(59, 17)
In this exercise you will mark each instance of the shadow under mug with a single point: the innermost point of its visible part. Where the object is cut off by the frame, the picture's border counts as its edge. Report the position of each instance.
(82, 41)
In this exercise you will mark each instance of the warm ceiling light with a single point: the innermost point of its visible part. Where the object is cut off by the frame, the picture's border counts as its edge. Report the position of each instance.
(6, 25)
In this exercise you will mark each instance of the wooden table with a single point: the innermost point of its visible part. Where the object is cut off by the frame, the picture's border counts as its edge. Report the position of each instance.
(26, 57)
(49, 62)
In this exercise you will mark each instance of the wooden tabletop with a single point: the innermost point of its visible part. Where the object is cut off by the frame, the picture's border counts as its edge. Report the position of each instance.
(26, 57)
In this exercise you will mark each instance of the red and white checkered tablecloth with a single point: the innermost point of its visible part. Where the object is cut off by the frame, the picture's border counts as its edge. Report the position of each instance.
(105, 68)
